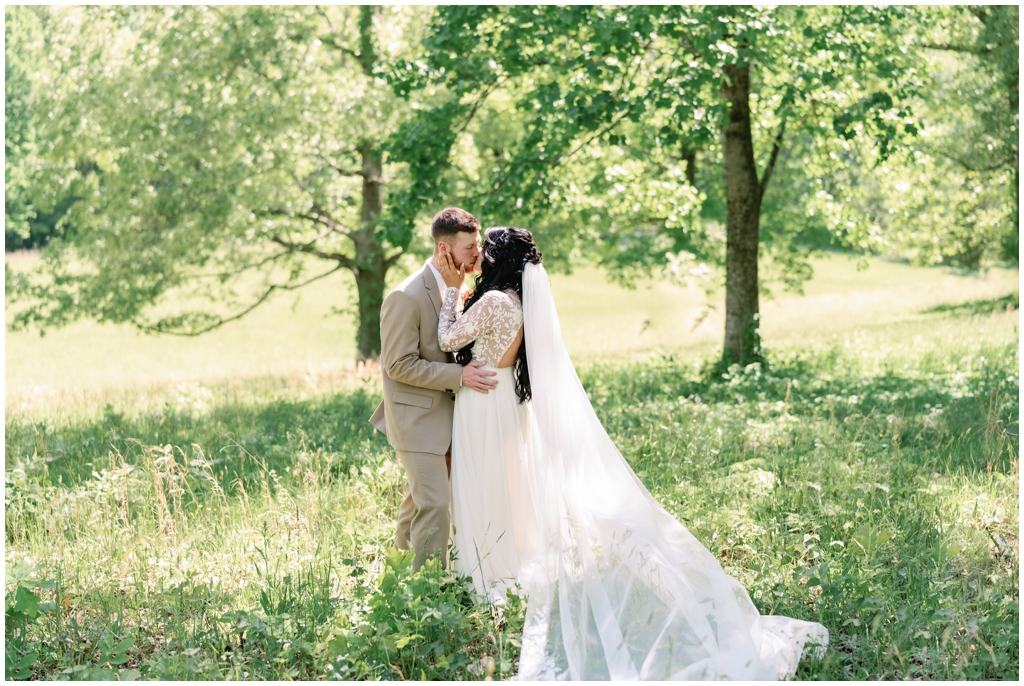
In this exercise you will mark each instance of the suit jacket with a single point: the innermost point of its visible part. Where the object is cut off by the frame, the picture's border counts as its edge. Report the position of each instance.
(419, 380)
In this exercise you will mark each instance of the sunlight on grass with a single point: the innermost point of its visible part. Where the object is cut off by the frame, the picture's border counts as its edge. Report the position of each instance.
(238, 524)
(298, 336)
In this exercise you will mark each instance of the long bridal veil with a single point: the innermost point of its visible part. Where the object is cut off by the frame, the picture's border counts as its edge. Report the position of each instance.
(618, 589)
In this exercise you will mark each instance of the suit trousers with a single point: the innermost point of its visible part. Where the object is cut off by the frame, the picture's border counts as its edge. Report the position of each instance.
(424, 517)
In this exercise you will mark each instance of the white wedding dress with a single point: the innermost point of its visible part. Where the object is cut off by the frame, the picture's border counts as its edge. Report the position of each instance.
(618, 589)
(490, 448)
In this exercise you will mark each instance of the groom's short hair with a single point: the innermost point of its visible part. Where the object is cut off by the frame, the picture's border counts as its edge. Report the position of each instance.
(452, 220)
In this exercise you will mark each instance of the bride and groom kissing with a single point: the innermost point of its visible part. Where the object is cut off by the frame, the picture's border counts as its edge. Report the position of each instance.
(504, 455)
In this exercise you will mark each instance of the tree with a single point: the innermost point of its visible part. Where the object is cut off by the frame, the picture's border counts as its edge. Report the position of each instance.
(950, 196)
(982, 100)
(226, 154)
(652, 82)
(22, 44)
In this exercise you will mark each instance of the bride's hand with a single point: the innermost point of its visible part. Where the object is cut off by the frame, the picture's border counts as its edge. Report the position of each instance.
(453, 278)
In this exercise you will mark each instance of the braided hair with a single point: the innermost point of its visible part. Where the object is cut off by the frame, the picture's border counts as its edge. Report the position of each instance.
(506, 251)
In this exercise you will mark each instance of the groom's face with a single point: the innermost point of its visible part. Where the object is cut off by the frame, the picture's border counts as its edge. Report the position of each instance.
(465, 249)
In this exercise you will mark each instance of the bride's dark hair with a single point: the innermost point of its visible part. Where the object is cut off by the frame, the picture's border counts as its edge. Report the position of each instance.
(506, 251)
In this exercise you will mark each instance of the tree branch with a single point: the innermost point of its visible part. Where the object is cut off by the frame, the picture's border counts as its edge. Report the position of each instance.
(776, 146)
(320, 11)
(221, 322)
(556, 163)
(480, 100)
(224, 276)
(980, 14)
(390, 261)
(333, 42)
(308, 248)
(317, 216)
(828, 144)
(627, 83)
(973, 168)
(345, 172)
(971, 50)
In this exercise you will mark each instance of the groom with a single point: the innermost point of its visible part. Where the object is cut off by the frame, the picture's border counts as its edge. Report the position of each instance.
(420, 382)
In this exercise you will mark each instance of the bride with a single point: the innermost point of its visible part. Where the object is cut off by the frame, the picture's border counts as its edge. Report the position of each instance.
(618, 589)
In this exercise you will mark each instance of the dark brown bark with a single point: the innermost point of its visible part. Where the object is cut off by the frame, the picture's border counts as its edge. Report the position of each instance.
(370, 266)
(743, 203)
(370, 284)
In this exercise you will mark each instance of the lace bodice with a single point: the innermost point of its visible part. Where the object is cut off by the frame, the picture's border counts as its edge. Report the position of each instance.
(493, 322)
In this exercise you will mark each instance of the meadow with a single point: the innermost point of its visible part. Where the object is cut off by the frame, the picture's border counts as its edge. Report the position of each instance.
(220, 508)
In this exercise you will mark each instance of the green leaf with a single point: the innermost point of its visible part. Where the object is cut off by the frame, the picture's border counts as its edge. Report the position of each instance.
(124, 645)
(404, 641)
(19, 572)
(27, 661)
(26, 602)
(399, 560)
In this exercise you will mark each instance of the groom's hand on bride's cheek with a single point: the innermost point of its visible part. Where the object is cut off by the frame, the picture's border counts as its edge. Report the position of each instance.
(478, 379)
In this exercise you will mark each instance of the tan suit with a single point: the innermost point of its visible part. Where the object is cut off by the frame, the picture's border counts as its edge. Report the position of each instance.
(416, 415)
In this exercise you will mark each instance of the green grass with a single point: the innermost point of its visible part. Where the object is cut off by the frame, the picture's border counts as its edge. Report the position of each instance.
(240, 526)
(298, 338)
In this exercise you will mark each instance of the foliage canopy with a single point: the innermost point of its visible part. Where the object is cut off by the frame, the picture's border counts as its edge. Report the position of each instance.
(186, 164)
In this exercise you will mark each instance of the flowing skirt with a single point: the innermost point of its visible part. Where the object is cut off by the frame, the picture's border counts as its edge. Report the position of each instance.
(621, 590)
(618, 588)
(493, 513)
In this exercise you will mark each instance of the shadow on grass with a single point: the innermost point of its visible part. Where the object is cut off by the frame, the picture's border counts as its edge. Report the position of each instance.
(879, 503)
(934, 408)
(871, 548)
(299, 630)
(239, 439)
(1010, 301)
(104, 634)
(242, 440)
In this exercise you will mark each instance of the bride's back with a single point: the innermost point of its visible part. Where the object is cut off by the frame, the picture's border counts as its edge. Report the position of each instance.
(499, 346)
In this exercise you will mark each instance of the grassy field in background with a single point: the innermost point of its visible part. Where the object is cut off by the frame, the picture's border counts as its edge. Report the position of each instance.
(220, 508)
(297, 337)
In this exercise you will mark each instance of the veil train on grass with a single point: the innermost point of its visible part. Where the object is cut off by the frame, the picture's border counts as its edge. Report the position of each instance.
(618, 588)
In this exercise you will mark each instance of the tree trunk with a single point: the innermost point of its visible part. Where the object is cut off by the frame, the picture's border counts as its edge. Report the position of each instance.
(370, 284)
(370, 266)
(367, 51)
(743, 202)
(1012, 249)
(690, 157)
(1014, 245)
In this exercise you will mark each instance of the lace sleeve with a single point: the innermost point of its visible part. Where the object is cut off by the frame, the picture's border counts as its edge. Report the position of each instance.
(456, 329)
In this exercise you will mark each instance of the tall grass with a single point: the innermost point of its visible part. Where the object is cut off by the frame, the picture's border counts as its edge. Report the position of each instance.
(867, 481)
